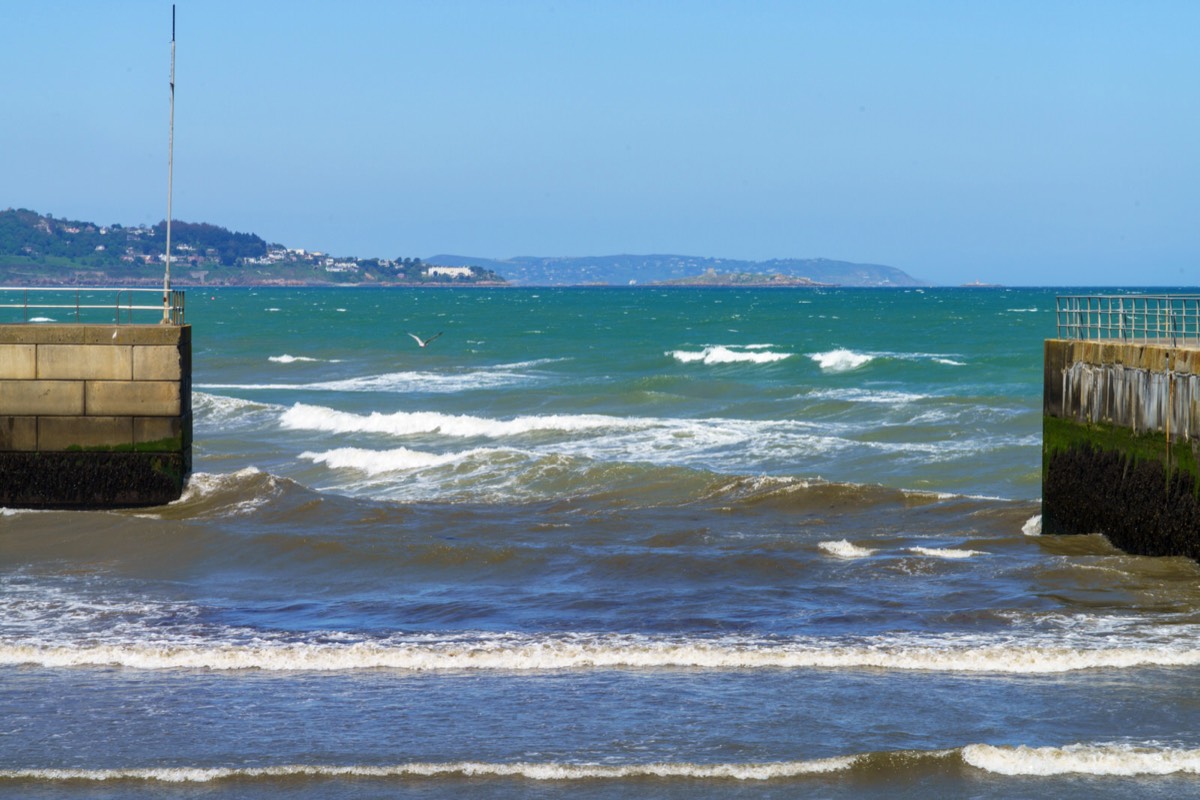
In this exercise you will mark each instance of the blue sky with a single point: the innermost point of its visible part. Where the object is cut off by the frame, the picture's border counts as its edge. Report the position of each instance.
(1026, 143)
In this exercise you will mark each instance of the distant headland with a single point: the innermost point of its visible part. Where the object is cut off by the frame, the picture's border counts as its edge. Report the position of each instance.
(42, 250)
(640, 270)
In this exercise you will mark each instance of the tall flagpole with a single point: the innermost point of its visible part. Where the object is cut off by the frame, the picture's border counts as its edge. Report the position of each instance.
(170, 169)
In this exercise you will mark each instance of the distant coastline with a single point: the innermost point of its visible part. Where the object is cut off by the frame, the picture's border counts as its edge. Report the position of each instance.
(42, 250)
(746, 279)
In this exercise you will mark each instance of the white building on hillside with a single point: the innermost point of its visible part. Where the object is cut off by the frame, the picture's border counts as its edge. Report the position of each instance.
(449, 272)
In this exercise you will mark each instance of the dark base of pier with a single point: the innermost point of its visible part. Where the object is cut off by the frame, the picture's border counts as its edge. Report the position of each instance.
(78, 480)
(1137, 504)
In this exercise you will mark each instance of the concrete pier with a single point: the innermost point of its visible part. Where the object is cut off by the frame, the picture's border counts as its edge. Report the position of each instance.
(1121, 422)
(94, 416)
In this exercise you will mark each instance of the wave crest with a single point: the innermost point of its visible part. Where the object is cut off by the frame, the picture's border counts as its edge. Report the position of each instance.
(545, 771)
(945, 552)
(726, 354)
(1098, 760)
(521, 653)
(844, 549)
(841, 360)
(406, 423)
(375, 462)
(290, 359)
(1086, 759)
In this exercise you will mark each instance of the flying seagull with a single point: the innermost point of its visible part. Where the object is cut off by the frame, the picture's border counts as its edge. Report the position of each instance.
(424, 342)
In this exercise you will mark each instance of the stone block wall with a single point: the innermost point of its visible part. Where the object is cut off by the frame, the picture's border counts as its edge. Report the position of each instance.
(94, 415)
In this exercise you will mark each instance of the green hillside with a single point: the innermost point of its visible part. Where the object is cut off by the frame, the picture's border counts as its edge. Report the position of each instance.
(42, 250)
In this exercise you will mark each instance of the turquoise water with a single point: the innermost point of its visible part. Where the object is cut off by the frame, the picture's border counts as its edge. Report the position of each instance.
(902, 389)
(597, 542)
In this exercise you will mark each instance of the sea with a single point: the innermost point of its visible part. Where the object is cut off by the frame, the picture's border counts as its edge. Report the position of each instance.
(599, 543)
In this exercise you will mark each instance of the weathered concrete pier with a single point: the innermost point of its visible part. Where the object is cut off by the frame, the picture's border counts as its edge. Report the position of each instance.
(1121, 422)
(95, 415)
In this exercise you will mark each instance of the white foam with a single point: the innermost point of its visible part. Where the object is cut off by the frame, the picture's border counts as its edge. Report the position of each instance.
(725, 445)
(220, 410)
(1033, 526)
(400, 459)
(858, 395)
(950, 361)
(543, 771)
(404, 382)
(1099, 760)
(403, 423)
(844, 549)
(727, 354)
(841, 360)
(16, 512)
(63, 630)
(515, 652)
(945, 552)
(41, 319)
(289, 359)
(205, 484)
(1084, 759)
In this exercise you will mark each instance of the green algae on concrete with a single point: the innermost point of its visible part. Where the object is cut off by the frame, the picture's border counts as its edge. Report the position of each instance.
(1061, 435)
(1119, 455)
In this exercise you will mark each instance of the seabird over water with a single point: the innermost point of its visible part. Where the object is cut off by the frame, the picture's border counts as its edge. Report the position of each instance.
(425, 342)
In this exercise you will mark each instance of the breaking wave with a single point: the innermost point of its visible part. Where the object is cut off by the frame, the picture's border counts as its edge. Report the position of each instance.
(405, 381)
(546, 771)
(1083, 759)
(729, 354)
(1087, 759)
(219, 410)
(944, 552)
(288, 359)
(402, 423)
(375, 462)
(844, 360)
(514, 652)
(844, 549)
(841, 360)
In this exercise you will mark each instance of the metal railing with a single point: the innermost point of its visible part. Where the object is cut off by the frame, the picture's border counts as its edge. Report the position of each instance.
(89, 304)
(1173, 318)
